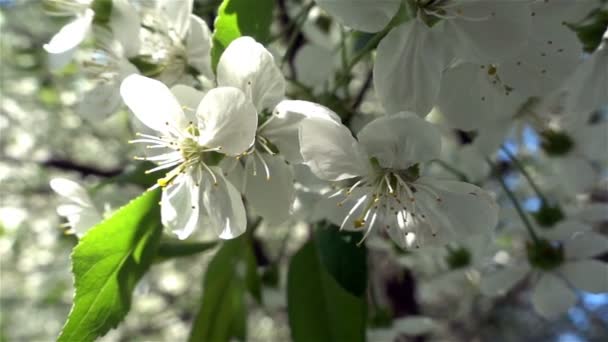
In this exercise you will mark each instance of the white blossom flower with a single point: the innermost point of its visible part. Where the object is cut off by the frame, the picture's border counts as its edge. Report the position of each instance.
(386, 188)
(559, 263)
(80, 212)
(64, 43)
(179, 40)
(108, 64)
(193, 141)
(266, 179)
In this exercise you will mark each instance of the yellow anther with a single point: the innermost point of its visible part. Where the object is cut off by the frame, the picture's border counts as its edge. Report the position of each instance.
(359, 223)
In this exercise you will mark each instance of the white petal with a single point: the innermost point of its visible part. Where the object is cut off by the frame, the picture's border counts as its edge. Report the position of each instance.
(152, 102)
(551, 296)
(308, 69)
(198, 45)
(592, 141)
(125, 24)
(401, 140)
(271, 197)
(409, 62)
(362, 15)
(228, 119)
(223, 206)
(502, 34)
(583, 245)
(104, 98)
(564, 230)
(177, 14)
(189, 99)
(414, 325)
(80, 219)
(503, 280)
(180, 206)
(71, 190)
(587, 275)
(330, 150)
(282, 130)
(464, 210)
(64, 43)
(552, 54)
(575, 174)
(593, 213)
(587, 88)
(482, 102)
(247, 65)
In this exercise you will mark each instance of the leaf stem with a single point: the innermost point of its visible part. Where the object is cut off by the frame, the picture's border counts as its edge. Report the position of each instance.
(516, 204)
(525, 173)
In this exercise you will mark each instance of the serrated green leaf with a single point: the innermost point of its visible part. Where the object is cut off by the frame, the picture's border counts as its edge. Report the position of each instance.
(238, 18)
(222, 314)
(172, 248)
(107, 263)
(342, 258)
(318, 308)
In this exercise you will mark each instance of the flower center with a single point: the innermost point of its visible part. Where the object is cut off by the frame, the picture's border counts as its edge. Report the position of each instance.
(391, 196)
(545, 255)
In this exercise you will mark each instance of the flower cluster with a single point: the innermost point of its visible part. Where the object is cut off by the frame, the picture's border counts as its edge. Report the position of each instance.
(463, 108)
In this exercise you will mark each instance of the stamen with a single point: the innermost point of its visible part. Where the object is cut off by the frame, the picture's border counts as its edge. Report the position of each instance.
(352, 210)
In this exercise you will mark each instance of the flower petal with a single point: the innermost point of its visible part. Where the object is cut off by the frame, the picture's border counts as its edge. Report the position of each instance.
(71, 190)
(282, 129)
(551, 296)
(463, 210)
(104, 98)
(125, 23)
(587, 87)
(64, 43)
(575, 174)
(407, 72)
(152, 102)
(177, 15)
(414, 325)
(80, 219)
(552, 54)
(481, 103)
(272, 197)
(362, 15)
(180, 206)
(479, 33)
(501, 281)
(330, 150)
(247, 65)
(224, 206)
(587, 275)
(401, 140)
(228, 119)
(583, 245)
(198, 46)
(189, 99)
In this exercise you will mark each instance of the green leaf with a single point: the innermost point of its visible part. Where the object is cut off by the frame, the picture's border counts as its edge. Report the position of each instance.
(103, 11)
(107, 264)
(222, 314)
(238, 18)
(173, 248)
(342, 258)
(319, 309)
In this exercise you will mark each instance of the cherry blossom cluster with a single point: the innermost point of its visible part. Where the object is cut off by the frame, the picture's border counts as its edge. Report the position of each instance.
(452, 81)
